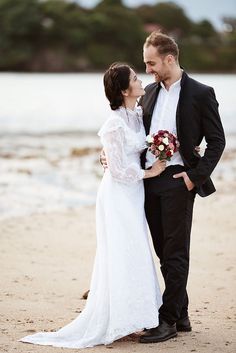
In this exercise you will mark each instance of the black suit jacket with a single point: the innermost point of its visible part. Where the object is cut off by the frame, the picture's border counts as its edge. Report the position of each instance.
(197, 117)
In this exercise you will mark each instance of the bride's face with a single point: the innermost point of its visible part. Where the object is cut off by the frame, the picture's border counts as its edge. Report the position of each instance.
(135, 86)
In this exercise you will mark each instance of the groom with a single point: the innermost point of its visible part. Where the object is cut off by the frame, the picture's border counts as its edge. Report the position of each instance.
(181, 105)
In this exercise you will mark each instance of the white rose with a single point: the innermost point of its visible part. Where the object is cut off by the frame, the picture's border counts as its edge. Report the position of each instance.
(161, 148)
(165, 141)
(149, 139)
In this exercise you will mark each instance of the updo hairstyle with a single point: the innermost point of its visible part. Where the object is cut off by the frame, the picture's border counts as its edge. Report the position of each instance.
(115, 80)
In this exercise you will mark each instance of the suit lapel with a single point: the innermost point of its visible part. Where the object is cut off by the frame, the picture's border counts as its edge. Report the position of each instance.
(148, 107)
(180, 102)
(179, 114)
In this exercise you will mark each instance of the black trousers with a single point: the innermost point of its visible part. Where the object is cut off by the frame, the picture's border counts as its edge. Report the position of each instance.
(169, 207)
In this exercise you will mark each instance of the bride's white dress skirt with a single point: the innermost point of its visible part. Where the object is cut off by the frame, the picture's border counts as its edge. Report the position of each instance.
(124, 292)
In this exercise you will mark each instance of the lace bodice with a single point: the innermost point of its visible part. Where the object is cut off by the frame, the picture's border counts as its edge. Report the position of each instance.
(123, 139)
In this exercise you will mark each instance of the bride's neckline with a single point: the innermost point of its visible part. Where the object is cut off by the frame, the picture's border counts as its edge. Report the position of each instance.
(133, 114)
(135, 111)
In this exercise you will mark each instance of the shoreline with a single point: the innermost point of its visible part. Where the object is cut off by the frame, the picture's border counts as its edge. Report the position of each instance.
(42, 175)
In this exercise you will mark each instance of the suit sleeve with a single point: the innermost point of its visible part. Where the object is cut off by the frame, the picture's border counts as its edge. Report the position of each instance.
(214, 136)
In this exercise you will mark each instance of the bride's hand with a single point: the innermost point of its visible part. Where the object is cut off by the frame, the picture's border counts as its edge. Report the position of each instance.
(158, 167)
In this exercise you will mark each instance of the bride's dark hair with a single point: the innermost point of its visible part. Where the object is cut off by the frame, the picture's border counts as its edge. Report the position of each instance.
(116, 80)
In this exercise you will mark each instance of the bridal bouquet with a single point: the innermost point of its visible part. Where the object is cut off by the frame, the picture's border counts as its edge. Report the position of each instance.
(163, 144)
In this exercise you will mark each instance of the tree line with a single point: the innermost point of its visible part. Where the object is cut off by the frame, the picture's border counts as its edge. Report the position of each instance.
(61, 36)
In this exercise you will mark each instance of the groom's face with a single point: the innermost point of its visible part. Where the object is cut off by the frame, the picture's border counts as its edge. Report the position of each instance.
(156, 64)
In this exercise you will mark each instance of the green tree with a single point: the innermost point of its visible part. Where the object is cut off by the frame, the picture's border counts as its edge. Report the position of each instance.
(169, 16)
(204, 30)
(65, 35)
(60, 35)
(116, 35)
(20, 26)
(107, 3)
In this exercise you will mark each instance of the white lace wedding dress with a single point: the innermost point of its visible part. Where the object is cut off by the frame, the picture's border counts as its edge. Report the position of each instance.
(124, 292)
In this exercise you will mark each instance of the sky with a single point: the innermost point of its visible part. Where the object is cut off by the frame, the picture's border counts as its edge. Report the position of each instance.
(197, 10)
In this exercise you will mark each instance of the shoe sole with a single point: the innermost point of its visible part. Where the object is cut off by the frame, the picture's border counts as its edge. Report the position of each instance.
(142, 339)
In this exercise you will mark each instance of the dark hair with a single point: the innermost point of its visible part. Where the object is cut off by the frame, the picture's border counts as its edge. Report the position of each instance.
(115, 80)
(165, 45)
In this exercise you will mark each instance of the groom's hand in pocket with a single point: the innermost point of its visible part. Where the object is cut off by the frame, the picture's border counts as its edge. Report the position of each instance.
(189, 184)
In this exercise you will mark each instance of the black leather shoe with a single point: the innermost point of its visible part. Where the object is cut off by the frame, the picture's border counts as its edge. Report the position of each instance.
(184, 325)
(161, 333)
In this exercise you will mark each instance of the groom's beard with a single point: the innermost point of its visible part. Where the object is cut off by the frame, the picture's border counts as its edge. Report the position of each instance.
(160, 78)
(163, 76)
(157, 78)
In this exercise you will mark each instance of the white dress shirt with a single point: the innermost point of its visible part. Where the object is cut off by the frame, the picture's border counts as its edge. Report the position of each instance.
(164, 118)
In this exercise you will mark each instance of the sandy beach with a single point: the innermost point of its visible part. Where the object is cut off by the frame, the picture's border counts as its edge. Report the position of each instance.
(46, 263)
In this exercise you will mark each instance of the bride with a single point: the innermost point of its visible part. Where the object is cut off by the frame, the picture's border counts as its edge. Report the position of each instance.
(124, 293)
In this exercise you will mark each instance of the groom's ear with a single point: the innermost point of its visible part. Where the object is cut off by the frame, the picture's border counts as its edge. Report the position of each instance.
(170, 59)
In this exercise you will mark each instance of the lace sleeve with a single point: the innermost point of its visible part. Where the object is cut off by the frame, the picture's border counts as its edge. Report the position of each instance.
(113, 139)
